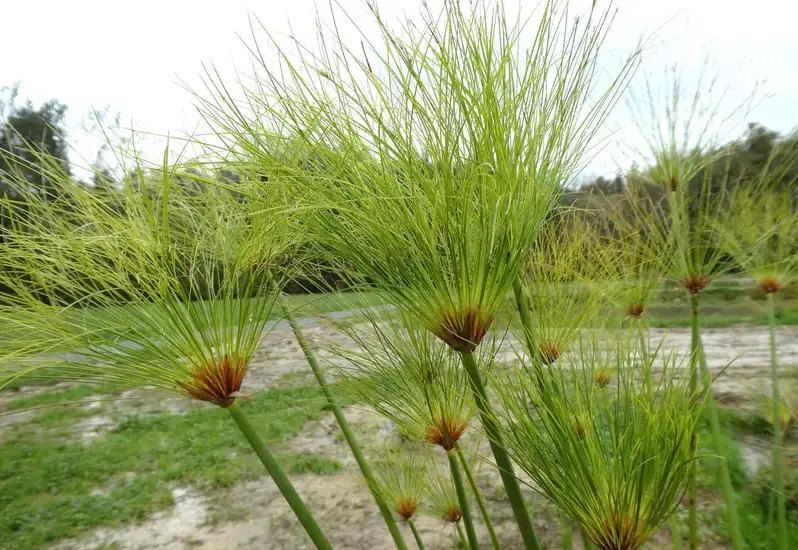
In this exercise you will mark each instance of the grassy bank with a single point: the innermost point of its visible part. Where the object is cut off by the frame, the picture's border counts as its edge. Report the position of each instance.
(56, 485)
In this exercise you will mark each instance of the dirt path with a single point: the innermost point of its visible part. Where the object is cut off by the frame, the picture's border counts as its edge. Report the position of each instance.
(253, 515)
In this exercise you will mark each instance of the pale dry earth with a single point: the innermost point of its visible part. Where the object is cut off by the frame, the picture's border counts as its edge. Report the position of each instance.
(254, 516)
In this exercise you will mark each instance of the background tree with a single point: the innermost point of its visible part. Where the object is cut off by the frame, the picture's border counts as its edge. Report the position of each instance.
(26, 134)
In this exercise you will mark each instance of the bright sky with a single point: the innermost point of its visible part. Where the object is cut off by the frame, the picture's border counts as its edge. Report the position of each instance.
(131, 55)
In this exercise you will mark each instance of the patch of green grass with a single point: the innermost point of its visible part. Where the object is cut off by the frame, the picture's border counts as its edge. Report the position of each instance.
(52, 487)
(76, 393)
(753, 494)
(24, 381)
(305, 305)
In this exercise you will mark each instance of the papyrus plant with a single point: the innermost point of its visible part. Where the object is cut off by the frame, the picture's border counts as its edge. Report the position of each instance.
(403, 479)
(633, 261)
(415, 380)
(686, 166)
(165, 284)
(562, 286)
(615, 458)
(437, 151)
(760, 231)
(445, 500)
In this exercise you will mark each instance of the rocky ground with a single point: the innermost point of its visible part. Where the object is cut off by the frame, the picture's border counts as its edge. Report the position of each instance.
(253, 515)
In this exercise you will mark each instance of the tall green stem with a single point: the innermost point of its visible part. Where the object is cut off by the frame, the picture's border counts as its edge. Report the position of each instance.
(720, 448)
(644, 354)
(463, 541)
(347, 431)
(473, 542)
(778, 459)
(692, 487)
(416, 535)
(480, 501)
(676, 537)
(523, 313)
(280, 479)
(503, 462)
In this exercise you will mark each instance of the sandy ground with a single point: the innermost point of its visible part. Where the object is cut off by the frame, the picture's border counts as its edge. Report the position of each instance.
(342, 504)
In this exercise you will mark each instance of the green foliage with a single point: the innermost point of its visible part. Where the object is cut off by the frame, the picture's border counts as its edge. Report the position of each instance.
(417, 382)
(760, 227)
(560, 280)
(614, 457)
(165, 288)
(458, 138)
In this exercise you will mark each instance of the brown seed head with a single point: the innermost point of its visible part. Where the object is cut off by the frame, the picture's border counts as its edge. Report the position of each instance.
(602, 379)
(770, 285)
(784, 419)
(695, 282)
(217, 381)
(622, 533)
(452, 514)
(582, 429)
(636, 311)
(445, 432)
(463, 330)
(406, 507)
(548, 352)
(670, 184)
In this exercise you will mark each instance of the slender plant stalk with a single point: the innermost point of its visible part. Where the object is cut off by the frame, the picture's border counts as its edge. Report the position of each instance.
(523, 313)
(692, 487)
(567, 532)
(586, 544)
(344, 425)
(778, 459)
(673, 521)
(644, 350)
(463, 541)
(714, 424)
(500, 453)
(416, 534)
(457, 477)
(676, 537)
(480, 501)
(280, 479)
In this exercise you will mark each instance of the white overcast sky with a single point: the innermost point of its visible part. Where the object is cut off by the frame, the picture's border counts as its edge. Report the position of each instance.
(131, 55)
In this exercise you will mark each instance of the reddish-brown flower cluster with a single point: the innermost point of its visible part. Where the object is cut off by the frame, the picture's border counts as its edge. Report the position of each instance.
(406, 507)
(218, 381)
(548, 352)
(636, 310)
(671, 184)
(602, 378)
(463, 330)
(582, 429)
(621, 534)
(695, 282)
(452, 514)
(770, 285)
(445, 432)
